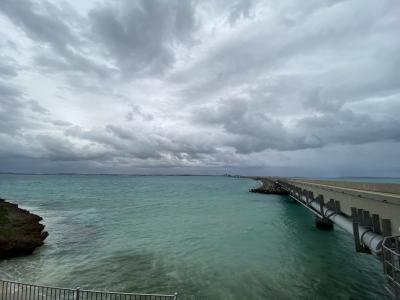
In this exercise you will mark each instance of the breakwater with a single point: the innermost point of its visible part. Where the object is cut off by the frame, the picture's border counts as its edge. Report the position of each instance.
(269, 185)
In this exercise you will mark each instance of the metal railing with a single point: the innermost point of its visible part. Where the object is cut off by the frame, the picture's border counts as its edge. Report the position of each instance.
(10, 290)
(391, 264)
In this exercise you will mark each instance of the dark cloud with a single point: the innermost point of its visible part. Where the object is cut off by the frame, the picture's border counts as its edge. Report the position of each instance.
(253, 129)
(18, 114)
(121, 38)
(11, 118)
(337, 58)
(131, 143)
(8, 67)
(139, 36)
(41, 22)
(54, 26)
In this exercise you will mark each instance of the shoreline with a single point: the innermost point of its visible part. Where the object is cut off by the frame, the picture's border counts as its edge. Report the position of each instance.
(20, 231)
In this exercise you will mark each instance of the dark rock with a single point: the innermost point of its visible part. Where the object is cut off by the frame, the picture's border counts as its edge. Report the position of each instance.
(269, 186)
(20, 231)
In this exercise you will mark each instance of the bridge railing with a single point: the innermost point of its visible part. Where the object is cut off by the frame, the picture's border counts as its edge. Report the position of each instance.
(10, 290)
(391, 264)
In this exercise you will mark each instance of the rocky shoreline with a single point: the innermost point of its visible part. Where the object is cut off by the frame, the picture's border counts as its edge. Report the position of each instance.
(269, 186)
(20, 231)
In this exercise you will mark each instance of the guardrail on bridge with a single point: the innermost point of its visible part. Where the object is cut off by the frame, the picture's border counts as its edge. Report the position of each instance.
(391, 264)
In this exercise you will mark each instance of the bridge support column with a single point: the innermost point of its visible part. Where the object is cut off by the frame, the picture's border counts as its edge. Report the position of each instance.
(323, 224)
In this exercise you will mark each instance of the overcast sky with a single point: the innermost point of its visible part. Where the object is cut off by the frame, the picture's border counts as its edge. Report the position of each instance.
(277, 87)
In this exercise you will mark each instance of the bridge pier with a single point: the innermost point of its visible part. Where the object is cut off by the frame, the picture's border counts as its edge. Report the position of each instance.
(323, 223)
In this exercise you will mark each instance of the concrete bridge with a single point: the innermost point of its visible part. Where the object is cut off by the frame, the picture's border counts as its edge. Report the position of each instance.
(368, 211)
(380, 199)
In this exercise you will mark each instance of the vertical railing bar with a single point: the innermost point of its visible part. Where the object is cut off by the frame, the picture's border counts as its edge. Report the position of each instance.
(21, 292)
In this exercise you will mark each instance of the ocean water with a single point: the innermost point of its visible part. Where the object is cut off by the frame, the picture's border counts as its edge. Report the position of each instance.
(203, 237)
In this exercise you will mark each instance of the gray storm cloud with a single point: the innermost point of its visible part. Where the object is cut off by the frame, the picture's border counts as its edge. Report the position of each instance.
(156, 86)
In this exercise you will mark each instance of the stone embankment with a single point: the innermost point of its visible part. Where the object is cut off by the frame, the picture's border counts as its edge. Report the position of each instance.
(20, 231)
(269, 186)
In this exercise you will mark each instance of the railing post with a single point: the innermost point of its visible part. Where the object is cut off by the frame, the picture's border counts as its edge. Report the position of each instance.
(356, 235)
(376, 226)
(175, 296)
(77, 291)
(386, 227)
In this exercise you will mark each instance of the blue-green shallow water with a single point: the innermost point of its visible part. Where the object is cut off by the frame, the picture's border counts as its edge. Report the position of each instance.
(201, 236)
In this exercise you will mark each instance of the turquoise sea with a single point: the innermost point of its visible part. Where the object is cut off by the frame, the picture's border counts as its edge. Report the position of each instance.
(205, 237)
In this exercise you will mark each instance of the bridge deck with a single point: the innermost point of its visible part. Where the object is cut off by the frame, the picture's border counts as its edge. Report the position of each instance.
(377, 198)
